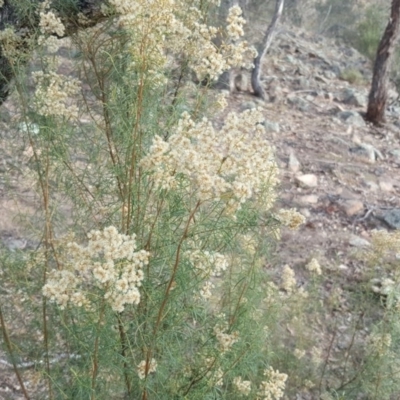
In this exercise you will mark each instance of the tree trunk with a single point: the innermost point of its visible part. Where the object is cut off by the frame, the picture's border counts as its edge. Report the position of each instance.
(26, 22)
(266, 43)
(224, 81)
(378, 94)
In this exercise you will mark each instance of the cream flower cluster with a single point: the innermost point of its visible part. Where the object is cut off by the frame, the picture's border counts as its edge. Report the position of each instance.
(235, 22)
(225, 340)
(289, 282)
(141, 368)
(231, 164)
(49, 23)
(380, 343)
(215, 376)
(110, 262)
(207, 262)
(10, 43)
(53, 92)
(384, 242)
(272, 388)
(314, 266)
(162, 27)
(243, 387)
(291, 218)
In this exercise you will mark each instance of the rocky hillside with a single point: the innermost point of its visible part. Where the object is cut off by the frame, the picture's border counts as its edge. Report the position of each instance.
(341, 172)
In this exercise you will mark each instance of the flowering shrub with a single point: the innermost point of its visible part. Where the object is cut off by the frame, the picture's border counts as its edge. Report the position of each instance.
(161, 292)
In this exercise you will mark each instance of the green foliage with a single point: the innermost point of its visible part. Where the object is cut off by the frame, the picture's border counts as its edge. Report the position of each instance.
(370, 30)
(353, 76)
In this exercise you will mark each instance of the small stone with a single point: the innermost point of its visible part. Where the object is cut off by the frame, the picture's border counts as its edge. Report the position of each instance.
(29, 127)
(305, 212)
(329, 74)
(15, 244)
(352, 207)
(371, 185)
(358, 241)
(352, 118)
(367, 150)
(308, 199)
(298, 102)
(248, 105)
(271, 126)
(395, 153)
(307, 180)
(392, 218)
(291, 60)
(386, 186)
(350, 96)
(294, 164)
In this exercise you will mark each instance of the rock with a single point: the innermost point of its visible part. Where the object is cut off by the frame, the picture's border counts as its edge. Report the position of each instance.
(307, 180)
(241, 83)
(350, 96)
(367, 150)
(298, 102)
(392, 218)
(352, 207)
(248, 105)
(393, 110)
(351, 118)
(293, 164)
(14, 243)
(291, 60)
(302, 83)
(395, 153)
(329, 74)
(305, 212)
(371, 185)
(336, 69)
(271, 126)
(32, 128)
(358, 241)
(385, 185)
(308, 199)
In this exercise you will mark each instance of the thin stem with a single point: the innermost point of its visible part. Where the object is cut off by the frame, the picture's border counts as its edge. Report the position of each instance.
(107, 120)
(124, 346)
(96, 352)
(351, 345)
(168, 289)
(48, 245)
(7, 341)
(135, 146)
(327, 356)
(175, 269)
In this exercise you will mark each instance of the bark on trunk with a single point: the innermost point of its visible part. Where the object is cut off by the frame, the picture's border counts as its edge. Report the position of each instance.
(26, 24)
(224, 81)
(378, 94)
(266, 43)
